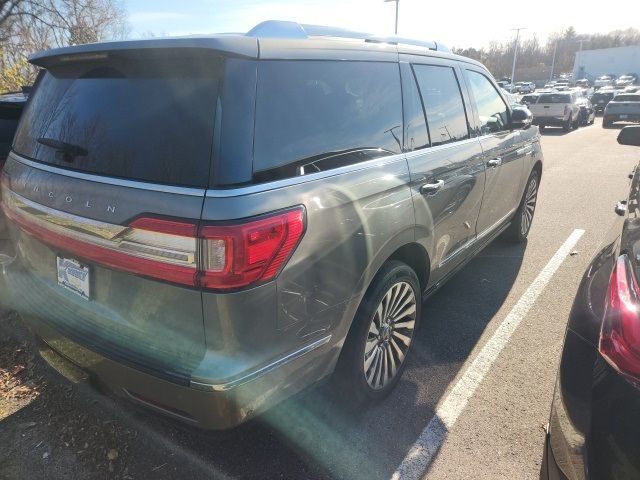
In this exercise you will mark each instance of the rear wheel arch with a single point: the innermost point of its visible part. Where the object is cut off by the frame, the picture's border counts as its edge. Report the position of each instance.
(412, 254)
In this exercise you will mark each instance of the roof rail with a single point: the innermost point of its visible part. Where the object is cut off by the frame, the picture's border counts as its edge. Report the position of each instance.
(293, 30)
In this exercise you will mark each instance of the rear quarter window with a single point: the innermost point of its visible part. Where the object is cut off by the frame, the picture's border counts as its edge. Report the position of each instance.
(317, 115)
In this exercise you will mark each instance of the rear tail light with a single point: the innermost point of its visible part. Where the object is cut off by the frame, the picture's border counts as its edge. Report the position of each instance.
(620, 336)
(219, 257)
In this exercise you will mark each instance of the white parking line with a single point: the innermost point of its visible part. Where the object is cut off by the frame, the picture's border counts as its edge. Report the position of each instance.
(430, 440)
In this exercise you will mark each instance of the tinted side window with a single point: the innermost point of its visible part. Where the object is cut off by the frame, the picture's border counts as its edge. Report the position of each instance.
(493, 112)
(316, 115)
(443, 104)
(415, 125)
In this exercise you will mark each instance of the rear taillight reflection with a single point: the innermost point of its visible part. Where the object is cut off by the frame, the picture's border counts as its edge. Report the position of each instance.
(620, 336)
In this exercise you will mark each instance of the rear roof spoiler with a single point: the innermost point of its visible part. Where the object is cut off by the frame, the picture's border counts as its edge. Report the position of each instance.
(237, 45)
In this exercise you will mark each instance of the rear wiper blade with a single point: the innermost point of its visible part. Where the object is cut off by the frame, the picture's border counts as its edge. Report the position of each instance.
(68, 151)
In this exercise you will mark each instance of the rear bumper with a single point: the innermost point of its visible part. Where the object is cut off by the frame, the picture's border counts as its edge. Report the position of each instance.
(217, 406)
(549, 469)
(622, 117)
(549, 121)
(215, 389)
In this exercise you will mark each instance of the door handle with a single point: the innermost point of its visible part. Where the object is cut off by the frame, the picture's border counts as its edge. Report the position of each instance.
(494, 162)
(431, 188)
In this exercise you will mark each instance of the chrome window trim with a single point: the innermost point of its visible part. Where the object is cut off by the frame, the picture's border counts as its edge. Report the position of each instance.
(139, 185)
(214, 193)
(287, 182)
(254, 374)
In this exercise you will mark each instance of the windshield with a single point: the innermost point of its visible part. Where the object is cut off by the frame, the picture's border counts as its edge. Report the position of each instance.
(552, 98)
(145, 120)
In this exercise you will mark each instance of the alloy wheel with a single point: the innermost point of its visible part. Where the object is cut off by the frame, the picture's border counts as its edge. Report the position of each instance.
(529, 206)
(390, 334)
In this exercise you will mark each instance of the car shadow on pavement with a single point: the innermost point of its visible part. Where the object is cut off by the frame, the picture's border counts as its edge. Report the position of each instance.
(554, 132)
(316, 434)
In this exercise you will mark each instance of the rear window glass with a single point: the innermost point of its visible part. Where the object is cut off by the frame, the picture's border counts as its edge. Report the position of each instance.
(150, 119)
(627, 98)
(316, 115)
(548, 98)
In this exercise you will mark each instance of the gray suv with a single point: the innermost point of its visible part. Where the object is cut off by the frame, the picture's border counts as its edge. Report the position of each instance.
(208, 225)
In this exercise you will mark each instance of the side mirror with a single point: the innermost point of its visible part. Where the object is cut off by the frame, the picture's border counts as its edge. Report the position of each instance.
(630, 136)
(521, 118)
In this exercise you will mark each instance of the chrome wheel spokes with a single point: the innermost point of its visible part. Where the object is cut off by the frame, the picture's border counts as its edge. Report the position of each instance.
(529, 206)
(390, 334)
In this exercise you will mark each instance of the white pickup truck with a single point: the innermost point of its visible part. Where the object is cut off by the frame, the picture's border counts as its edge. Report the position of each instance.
(556, 110)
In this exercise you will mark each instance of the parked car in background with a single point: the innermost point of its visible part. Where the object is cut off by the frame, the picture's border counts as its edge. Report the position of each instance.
(215, 286)
(595, 411)
(11, 106)
(587, 114)
(583, 83)
(550, 85)
(559, 109)
(529, 98)
(527, 87)
(601, 98)
(561, 85)
(604, 81)
(624, 107)
(627, 80)
(631, 89)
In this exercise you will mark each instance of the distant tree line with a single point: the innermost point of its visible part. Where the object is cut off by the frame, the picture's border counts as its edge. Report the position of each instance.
(498, 57)
(28, 26)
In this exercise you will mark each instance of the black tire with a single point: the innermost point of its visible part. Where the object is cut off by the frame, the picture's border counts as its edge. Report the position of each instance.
(568, 124)
(606, 124)
(351, 371)
(541, 127)
(521, 222)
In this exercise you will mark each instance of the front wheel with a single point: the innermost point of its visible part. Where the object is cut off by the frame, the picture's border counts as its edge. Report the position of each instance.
(377, 346)
(521, 223)
(568, 124)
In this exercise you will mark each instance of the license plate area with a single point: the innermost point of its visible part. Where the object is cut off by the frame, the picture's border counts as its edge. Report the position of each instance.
(74, 276)
(624, 116)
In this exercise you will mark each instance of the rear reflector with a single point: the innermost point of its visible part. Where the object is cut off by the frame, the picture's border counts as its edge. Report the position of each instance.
(620, 335)
(220, 257)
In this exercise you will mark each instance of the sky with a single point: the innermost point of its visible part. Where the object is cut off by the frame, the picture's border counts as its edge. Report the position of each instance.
(463, 23)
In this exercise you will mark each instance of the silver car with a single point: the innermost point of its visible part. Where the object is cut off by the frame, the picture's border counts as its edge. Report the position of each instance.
(208, 225)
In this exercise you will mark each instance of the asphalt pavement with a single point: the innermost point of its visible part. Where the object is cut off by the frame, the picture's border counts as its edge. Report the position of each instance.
(498, 432)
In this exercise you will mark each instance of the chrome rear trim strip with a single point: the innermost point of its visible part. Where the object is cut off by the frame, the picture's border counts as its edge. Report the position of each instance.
(194, 192)
(248, 377)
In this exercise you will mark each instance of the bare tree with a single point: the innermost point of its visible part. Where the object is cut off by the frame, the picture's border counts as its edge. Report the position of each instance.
(28, 26)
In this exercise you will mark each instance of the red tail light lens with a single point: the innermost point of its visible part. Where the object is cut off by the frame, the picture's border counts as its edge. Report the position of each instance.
(238, 255)
(620, 336)
(214, 256)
